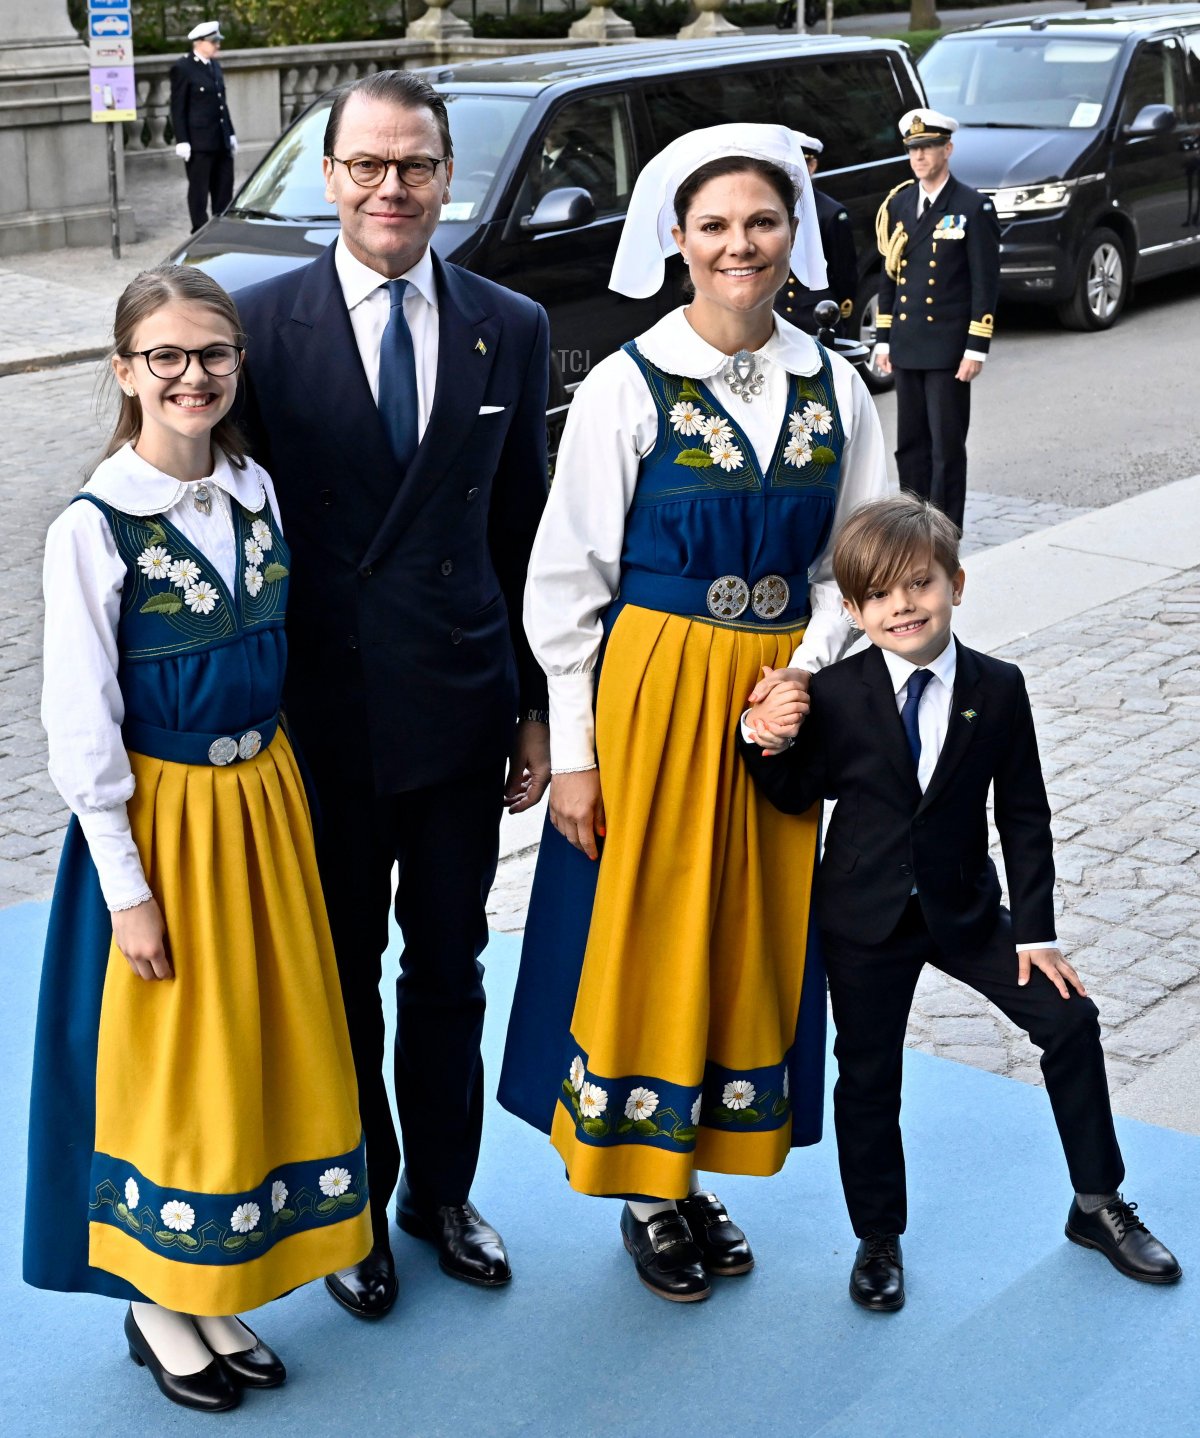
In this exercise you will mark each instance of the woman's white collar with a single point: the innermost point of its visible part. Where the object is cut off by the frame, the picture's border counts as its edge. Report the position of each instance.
(131, 484)
(674, 346)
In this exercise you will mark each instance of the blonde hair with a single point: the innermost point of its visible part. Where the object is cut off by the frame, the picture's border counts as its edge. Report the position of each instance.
(881, 540)
(144, 296)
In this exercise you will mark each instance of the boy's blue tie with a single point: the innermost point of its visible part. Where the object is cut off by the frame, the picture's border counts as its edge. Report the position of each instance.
(917, 681)
(398, 379)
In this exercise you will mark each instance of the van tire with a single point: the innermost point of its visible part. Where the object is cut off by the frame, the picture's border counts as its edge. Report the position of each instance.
(866, 307)
(1101, 284)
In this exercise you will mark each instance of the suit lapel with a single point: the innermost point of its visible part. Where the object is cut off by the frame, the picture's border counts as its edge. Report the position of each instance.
(881, 699)
(961, 730)
(468, 340)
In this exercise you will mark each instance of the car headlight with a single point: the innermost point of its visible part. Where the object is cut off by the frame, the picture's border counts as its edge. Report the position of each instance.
(1023, 199)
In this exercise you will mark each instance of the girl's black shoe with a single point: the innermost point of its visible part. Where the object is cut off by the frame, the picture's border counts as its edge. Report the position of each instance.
(211, 1390)
(666, 1258)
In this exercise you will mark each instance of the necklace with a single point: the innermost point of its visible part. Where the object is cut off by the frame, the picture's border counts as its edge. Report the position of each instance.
(202, 497)
(744, 377)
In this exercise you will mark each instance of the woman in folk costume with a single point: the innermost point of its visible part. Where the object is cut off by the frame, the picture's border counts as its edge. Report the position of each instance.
(669, 1014)
(195, 1145)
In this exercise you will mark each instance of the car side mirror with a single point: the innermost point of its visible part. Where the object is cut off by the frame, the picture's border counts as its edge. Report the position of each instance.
(563, 209)
(1152, 120)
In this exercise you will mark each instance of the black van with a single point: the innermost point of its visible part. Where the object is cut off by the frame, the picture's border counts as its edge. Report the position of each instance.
(526, 225)
(1086, 131)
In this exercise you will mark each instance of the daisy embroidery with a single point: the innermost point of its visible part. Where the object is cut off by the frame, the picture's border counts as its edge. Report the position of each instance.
(727, 455)
(797, 451)
(817, 417)
(201, 597)
(184, 572)
(641, 1103)
(177, 1215)
(154, 562)
(254, 551)
(262, 534)
(796, 423)
(577, 1073)
(245, 1217)
(738, 1094)
(696, 1110)
(686, 418)
(334, 1182)
(716, 430)
(254, 580)
(593, 1100)
(132, 1193)
(279, 1193)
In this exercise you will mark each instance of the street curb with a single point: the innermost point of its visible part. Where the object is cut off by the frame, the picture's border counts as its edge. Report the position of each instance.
(57, 361)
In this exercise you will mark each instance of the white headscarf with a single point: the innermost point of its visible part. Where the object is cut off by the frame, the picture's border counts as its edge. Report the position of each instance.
(646, 239)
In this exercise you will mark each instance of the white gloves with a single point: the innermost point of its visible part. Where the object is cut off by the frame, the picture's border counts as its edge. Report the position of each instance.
(233, 144)
(184, 151)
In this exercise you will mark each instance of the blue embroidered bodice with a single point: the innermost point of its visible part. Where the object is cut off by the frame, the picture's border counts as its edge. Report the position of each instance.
(195, 657)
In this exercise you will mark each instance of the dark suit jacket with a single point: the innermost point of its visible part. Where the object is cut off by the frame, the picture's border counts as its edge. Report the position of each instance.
(199, 110)
(406, 649)
(885, 835)
(945, 300)
(795, 301)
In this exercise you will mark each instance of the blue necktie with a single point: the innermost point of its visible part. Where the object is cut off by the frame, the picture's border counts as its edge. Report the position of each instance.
(398, 379)
(917, 681)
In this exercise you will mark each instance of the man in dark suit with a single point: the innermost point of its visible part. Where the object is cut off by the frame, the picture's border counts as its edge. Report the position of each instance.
(796, 302)
(204, 138)
(909, 735)
(399, 403)
(941, 246)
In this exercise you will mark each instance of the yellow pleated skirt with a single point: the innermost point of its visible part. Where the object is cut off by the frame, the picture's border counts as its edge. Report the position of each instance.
(687, 1006)
(229, 1165)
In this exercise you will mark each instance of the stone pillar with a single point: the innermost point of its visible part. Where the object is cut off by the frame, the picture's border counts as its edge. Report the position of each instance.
(438, 23)
(711, 22)
(600, 23)
(53, 159)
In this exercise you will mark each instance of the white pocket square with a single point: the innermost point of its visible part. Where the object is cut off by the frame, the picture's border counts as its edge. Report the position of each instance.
(492, 408)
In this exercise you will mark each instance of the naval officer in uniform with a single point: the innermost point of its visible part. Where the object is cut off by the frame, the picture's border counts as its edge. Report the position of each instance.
(796, 302)
(204, 138)
(940, 242)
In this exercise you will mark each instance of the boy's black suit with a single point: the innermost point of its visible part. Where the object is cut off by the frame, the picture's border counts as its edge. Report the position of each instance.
(884, 839)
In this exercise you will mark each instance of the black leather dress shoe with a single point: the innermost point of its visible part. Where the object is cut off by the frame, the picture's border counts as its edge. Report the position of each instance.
(369, 1289)
(665, 1256)
(722, 1244)
(877, 1278)
(468, 1247)
(211, 1390)
(1121, 1236)
(255, 1367)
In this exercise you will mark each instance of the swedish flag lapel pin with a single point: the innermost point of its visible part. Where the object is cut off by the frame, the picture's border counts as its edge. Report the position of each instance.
(481, 347)
(968, 714)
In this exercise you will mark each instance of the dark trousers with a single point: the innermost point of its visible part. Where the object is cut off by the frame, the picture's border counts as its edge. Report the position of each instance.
(445, 840)
(872, 990)
(933, 412)
(209, 176)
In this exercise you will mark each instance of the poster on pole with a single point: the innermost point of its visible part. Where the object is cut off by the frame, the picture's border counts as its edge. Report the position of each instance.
(114, 94)
(111, 80)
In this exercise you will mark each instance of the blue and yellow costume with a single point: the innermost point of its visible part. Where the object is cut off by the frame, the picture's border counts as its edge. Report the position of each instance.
(196, 1141)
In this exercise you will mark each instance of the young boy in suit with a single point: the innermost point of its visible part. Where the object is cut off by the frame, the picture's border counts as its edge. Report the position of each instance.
(909, 735)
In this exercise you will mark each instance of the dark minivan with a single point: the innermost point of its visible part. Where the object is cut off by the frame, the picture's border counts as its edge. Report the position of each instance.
(550, 231)
(1086, 131)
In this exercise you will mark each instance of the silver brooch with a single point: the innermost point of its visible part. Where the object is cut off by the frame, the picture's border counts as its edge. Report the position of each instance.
(202, 498)
(744, 377)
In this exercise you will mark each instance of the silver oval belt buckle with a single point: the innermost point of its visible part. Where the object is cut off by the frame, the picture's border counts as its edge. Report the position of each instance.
(223, 751)
(728, 597)
(249, 744)
(771, 596)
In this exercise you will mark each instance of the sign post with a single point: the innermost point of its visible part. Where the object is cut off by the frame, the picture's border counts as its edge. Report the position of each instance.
(113, 86)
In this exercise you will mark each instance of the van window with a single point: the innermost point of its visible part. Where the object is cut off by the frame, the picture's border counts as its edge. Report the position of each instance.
(711, 97)
(1191, 56)
(852, 105)
(1029, 82)
(1155, 78)
(585, 144)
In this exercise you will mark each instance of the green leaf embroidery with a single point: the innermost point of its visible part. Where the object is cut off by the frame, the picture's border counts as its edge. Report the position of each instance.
(722, 1114)
(257, 1236)
(625, 1126)
(348, 1199)
(165, 603)
(567, 1089)
(780, 1107)
(163, 1236)
(158, 535)
(824, 455)
(234, 1242)
(646, 1127)
(185, 1240)
(694, 458)
(286, 1215)
(807, 390)
(597, 1127)
(684, 1135)
(747, 1115)
(687, 390)
(327, 1205)
(275, 572)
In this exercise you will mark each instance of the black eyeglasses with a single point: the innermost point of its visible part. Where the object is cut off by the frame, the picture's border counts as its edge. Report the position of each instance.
(169, 362)
(370, 171)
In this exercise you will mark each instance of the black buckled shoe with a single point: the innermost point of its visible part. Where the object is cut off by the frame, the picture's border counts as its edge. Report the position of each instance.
(368, 1290)
(665, 1256)
(722, 1244)
(468, 1247)
(211, 1390)
(877, 1278)
(1120, 1235)
(256, 1367)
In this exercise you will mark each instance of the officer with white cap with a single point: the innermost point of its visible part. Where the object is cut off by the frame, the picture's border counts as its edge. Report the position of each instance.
(940, 242)
(796, 302)
(204, 138)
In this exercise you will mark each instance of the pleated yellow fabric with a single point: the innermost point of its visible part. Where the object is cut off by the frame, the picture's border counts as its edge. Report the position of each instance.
(240, 1067)
(695, 954)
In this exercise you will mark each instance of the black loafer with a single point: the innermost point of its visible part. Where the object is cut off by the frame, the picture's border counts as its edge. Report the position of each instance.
(368, 1290)
(255, 1367)
(877, 1278)
(1120, 1235)
(665, 1256)
(468, 1247)
(211, 1390)
(722, 1244)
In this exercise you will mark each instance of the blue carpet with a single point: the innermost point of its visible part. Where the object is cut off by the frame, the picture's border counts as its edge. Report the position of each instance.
(1009, 1330)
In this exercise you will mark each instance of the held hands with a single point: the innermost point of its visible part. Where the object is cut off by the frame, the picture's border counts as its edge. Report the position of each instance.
(529, 767)
(1053, 965)
(968, 369)
(577, 809)
(142, 937)
(184, 151)
(778, 704)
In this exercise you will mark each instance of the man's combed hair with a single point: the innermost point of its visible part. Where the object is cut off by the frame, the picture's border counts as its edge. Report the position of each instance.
(884, 539)
(392, 87)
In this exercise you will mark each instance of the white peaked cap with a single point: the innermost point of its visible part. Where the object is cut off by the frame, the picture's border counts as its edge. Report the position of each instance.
(646, 239)
(206, 30)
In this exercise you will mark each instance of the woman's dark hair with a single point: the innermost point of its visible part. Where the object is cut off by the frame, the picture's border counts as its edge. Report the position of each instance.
(144, 296)
(395, 87)
(779, 180)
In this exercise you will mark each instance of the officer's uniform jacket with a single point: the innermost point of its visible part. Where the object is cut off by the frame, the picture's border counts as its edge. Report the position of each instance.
(199, 111)
(796, 302)
(941, 278)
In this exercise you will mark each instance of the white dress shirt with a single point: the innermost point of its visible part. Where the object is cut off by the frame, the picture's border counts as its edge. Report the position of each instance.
(575, 566)
(367, 299)
(82, 706)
